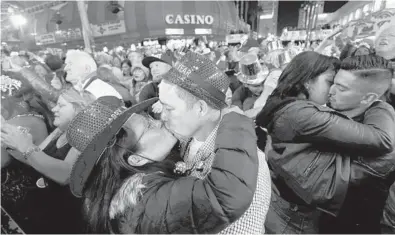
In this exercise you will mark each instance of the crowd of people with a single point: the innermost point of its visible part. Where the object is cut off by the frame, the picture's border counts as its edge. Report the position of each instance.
(248, 138)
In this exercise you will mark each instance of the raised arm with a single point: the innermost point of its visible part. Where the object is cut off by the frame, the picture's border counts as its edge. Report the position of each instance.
(315, 125)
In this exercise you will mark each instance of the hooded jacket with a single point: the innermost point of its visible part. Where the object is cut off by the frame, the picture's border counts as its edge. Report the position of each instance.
(157, 203)
(307, 140)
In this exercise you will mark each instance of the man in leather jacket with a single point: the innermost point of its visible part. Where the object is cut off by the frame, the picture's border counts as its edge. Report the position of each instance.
(385, 47)
(371, 173)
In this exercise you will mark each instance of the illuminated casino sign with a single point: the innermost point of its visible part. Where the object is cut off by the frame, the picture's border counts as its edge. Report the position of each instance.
(189, 19)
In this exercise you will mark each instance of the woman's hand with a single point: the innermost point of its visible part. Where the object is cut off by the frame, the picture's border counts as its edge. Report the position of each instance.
(157, 107)
(15, 138)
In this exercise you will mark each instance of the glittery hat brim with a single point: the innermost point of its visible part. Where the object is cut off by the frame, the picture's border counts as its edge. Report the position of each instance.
(86, 162)
(253, 80)
(182, 81)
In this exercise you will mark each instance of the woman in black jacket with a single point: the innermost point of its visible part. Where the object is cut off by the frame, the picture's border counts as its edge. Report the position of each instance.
(131, 191)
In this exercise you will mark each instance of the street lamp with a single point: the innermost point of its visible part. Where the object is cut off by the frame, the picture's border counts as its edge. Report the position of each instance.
(18, 20)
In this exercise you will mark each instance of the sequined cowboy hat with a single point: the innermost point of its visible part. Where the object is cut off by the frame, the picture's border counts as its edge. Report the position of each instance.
(93, 130)
(201, 77)
(251, 71)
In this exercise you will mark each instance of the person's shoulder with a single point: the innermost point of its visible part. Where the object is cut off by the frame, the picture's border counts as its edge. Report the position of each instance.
(149, 86)
(29, 121)
(382, 105)
(300, 104)
(304, 109)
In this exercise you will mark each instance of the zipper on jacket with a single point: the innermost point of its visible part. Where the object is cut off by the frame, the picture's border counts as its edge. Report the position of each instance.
(308, 169)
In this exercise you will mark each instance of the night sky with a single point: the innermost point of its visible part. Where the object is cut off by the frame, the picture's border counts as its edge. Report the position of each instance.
(288, 12)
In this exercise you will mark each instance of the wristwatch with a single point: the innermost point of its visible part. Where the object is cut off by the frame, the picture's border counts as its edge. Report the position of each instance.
(30, 151)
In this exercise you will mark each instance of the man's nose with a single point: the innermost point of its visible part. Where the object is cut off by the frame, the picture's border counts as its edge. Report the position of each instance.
(332, 90)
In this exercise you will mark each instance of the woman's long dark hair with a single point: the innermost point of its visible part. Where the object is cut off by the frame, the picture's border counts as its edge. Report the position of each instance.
(304, 67)
(106, 179)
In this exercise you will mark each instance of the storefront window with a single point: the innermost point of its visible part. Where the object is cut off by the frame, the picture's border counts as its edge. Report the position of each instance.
(366, 9)
(351, 17)
(389, 4)
(358, 14)
(377, 5)
(344, 20)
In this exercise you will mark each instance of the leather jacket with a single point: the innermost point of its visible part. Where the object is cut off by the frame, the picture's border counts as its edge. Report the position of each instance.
(388, 220)
(318, 153)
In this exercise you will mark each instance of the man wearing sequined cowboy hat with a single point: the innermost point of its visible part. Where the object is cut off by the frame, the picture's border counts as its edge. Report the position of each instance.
(129, 187)
(252, 75)
(192, 94)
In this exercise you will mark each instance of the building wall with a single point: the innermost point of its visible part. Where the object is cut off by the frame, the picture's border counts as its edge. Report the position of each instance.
(269, 18)
(301, 18)
(354, 10)
(303, 15)
(245, 10)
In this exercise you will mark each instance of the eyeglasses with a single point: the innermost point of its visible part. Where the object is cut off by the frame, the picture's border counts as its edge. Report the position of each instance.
(148, 126)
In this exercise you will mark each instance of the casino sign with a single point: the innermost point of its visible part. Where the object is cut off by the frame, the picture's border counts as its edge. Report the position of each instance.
(189, 19)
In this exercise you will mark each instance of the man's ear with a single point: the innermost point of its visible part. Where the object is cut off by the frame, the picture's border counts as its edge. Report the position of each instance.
(202, 107)
(370, 98)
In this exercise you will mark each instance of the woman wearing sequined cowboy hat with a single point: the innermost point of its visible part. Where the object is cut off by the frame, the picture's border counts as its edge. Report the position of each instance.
(128, 187)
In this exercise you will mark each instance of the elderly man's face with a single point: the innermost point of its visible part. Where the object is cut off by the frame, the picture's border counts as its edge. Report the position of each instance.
(385, 43)
(74, 70)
